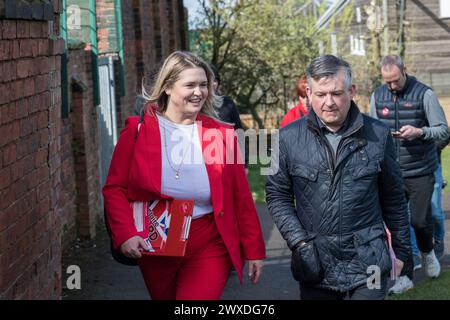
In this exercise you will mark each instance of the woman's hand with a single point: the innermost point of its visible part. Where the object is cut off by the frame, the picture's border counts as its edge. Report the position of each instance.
(254, 270)
(132, 247)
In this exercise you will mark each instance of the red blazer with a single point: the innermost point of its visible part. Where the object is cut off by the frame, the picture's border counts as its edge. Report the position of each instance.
(135, 175)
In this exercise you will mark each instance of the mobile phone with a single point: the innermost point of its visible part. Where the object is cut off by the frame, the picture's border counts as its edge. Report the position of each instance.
(396, 133)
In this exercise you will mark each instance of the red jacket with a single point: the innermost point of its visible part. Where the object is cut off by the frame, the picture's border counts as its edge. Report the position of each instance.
(135, 175)
(293, 114)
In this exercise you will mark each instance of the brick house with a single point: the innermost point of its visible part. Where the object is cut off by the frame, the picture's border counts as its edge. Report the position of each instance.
(52, 142)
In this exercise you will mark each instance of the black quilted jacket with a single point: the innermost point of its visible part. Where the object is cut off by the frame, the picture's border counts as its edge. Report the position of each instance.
(338, 204)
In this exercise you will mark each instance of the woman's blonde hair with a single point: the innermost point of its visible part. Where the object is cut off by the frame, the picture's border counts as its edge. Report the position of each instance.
(169, 73)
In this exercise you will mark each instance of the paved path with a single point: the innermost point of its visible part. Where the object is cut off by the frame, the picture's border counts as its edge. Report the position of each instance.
(276, 281)
(103, 278)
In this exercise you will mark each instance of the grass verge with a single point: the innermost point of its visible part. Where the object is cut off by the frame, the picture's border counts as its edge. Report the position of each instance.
(428, 289)
(257, 182)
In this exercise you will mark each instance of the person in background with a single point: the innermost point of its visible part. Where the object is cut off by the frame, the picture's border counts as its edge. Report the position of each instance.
(436, 201)
(417, 120)
(301, 109)
(167, 158)
(228, 111)
(436, 210)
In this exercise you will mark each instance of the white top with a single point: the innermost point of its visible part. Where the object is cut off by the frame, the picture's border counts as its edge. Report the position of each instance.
(184, 156)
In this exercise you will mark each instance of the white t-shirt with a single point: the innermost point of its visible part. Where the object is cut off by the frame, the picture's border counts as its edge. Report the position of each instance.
(184, 155)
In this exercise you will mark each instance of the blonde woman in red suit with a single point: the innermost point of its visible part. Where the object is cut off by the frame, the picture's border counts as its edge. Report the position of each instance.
(182, 152)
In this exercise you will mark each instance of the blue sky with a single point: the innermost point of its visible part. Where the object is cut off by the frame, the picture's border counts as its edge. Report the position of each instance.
(192, 6)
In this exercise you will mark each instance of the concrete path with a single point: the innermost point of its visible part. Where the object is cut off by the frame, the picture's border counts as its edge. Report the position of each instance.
(103, 278)
(276, 282)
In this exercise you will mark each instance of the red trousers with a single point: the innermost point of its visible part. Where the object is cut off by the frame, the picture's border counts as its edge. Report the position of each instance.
(200, 275)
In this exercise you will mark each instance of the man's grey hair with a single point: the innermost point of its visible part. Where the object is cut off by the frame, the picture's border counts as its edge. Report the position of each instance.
(392, 60)
(328, 66)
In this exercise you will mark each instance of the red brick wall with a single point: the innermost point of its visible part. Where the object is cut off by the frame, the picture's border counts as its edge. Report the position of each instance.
(49, 174)
(152, 29)
(66, 185)
(106, 26)
(30, 226)
(158, 41)
(184, 27)
(167, 44)
(148, 51)
(176, 26)
(126, 103)
(85, 144)
(139, 42)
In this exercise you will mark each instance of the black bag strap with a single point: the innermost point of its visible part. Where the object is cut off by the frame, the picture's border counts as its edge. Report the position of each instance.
(141, 119)
(116, 253)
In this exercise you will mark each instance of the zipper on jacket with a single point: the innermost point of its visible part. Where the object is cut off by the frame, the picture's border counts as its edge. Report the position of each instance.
(323, 140)
(340, 217)
(331, 155)
(397, 125)
(340, 147)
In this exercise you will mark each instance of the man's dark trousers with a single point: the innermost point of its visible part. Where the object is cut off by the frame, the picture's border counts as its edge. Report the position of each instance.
(359, 293)
(418, 192)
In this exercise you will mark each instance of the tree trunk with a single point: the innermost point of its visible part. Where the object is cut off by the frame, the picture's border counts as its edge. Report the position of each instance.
(255, 115)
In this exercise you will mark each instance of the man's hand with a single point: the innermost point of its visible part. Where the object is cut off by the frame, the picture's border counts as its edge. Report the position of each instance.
(132, 247)
(399, 266)
(254, 270)
(300, 244)
(409, 132)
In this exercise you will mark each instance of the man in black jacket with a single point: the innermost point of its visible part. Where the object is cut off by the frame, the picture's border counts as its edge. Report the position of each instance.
(228, 112)
(416, 119)
(337, 184)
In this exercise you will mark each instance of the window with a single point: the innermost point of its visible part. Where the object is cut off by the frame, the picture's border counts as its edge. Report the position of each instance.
(357, 46)
(444, 6)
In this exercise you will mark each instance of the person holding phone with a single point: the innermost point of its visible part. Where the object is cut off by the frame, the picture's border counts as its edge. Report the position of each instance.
(416, 119)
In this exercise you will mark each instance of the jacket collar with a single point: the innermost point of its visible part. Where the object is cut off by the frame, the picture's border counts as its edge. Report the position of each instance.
(150, 144)
(354, 120)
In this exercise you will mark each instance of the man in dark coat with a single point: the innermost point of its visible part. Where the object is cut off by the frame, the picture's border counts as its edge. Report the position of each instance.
(337, 187)
(228, 112)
